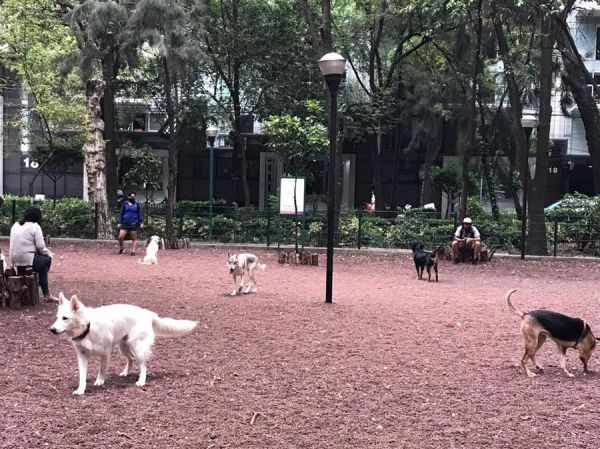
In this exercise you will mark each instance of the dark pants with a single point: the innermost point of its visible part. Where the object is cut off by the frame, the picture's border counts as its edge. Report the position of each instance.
(41, 265)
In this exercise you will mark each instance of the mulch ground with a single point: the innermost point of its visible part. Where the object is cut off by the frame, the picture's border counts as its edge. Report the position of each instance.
(393, 363)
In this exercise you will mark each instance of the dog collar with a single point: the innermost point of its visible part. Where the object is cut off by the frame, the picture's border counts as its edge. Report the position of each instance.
(84, 334)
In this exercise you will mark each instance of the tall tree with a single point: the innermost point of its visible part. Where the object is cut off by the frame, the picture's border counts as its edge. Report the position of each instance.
(104, 48)
(36, 39)
(163, 30)
(254, 54)
(577, 77)
(98, 27)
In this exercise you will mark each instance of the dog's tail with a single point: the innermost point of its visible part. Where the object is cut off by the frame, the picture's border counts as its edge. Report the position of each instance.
(510, 306)
(262, 266)
(169, 327)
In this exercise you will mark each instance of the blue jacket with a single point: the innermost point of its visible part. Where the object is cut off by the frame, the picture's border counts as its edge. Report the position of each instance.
(130, 214)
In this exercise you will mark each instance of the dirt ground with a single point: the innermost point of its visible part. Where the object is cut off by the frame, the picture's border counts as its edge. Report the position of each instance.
(393, 363)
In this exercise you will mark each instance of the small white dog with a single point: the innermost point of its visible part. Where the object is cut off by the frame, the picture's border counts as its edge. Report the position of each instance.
(241, 264)
(96, 331)
(3, 259)
(151, 252)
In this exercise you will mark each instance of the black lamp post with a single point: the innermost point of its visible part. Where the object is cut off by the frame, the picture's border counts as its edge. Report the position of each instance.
(211, 134)
(528, 122)
(332, 67)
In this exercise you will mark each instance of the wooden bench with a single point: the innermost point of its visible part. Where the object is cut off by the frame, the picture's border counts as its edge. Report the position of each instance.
(19, 287)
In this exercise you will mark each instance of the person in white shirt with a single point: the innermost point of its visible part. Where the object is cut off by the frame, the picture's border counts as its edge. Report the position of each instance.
(467, 234)
(28, 248)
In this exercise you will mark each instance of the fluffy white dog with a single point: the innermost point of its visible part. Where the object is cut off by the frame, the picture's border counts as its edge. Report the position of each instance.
(151, 252)
(96, 331)
(243, 264)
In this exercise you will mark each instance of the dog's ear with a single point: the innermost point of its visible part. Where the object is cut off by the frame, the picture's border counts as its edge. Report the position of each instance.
(75, 304)
(228, 254)
(61, 298)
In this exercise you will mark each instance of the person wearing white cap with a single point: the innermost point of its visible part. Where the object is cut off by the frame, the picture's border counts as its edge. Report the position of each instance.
(466, 235)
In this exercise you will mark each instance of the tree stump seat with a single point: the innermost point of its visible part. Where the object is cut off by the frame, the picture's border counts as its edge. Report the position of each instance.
(19, 287)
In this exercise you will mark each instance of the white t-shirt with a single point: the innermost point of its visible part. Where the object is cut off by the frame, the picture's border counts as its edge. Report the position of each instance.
(459, 229)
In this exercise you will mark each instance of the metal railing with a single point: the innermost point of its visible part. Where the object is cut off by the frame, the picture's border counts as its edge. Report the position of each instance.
(573, 235)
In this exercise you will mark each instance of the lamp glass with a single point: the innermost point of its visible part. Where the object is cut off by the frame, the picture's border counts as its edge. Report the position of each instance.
(212, 131)
(529, 121)
(332, 64)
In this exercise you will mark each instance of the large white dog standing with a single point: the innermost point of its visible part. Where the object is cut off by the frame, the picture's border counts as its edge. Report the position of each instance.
(96, 331)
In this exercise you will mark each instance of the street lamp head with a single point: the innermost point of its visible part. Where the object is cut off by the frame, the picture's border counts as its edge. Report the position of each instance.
(332, 64)
(211, 134)
(333, 67)
(529, 121)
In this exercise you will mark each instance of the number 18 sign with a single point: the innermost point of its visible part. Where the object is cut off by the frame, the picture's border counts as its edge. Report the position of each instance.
(286, 196)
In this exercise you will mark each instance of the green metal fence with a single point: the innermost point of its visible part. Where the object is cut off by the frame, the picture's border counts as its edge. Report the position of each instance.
(566, 236)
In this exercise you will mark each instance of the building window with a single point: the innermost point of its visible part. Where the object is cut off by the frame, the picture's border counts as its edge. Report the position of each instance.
(156, 122)
(598, 43)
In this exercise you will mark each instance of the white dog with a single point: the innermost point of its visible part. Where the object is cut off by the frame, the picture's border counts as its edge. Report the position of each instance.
(151, 252)
(241, 264)
(96, 331)
(3, 259)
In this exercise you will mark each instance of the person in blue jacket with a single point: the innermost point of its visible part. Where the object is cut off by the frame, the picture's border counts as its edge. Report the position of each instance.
(130, 220)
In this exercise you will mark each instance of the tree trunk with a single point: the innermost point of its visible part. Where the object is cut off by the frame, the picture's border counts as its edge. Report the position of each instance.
(376, 163)
(514, 95)
(488, 172)
(109, 72)
(577, 77)
(536, 232)
(433, 149)
(471, 115)
(94, 157)
(245, 186)
(236, 168)
(172, 160)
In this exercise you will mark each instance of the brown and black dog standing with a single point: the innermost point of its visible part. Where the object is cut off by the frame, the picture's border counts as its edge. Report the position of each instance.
(566, 332)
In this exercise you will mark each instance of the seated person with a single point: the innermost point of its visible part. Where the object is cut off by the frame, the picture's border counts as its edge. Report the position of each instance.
(468, 235)
(27, 247)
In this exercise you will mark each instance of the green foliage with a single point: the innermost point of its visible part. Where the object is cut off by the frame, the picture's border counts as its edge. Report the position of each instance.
(298, 140)
(35, 42)
(146, 169)
(446, 179)
(58, 157)
(68, 217)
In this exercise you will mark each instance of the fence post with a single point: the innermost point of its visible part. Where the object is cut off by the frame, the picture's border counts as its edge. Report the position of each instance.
(96, 221)
(278, 231)
(268, 226)
(180, 210)
(303, 232)
(359, 236)
(555, 235)
(14, 211)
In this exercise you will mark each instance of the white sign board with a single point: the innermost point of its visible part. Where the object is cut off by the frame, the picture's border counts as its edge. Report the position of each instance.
(286, 196)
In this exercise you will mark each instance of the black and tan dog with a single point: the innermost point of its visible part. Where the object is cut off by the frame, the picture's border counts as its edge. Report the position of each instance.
(426, 260)
(566, 332)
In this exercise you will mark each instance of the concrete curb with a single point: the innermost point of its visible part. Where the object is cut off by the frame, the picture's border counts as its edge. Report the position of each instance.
(321, 250)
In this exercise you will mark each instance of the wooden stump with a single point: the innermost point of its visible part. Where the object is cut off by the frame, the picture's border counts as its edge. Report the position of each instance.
(3, 287)
(486, 255)
(21, 288)
(304, 258)
(314, 260)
